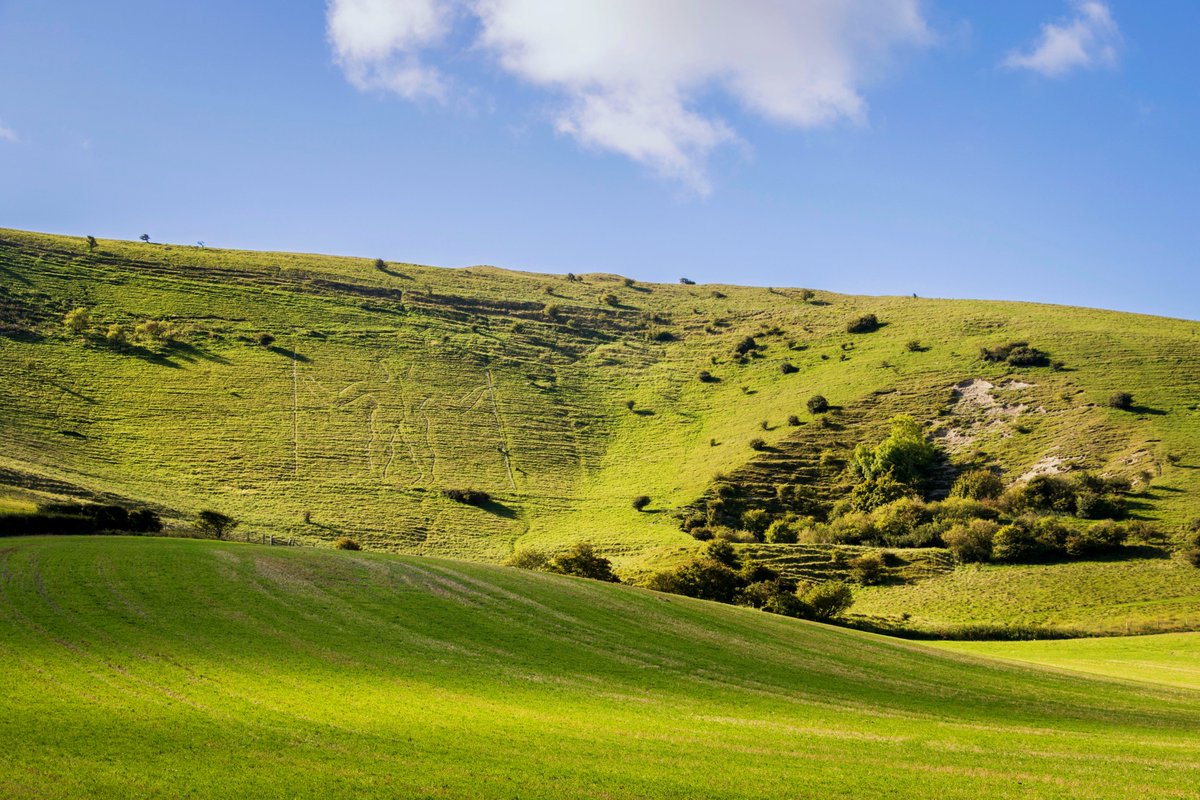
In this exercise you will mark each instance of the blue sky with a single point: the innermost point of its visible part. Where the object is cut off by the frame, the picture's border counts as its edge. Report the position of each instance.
(1039, 151)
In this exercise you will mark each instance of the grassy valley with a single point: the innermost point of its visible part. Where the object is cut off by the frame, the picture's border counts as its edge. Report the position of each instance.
(315, 397)
(137, 666)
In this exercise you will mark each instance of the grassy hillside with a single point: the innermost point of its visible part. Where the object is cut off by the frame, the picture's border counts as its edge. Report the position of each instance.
(153, 667)
(1107, 597)
(386, 383)
(1167, 658)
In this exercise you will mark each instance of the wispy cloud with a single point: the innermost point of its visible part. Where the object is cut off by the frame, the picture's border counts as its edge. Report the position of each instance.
(630, 76)
(1088, 39)
(376, 43)
(8, 134)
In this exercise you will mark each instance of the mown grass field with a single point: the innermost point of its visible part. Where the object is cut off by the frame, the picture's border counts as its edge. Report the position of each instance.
(1127, 596)
(1167, 658)
(140, 667)
(386, 385)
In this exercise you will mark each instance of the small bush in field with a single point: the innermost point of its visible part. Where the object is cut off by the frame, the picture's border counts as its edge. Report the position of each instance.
(824, 601)
(1122, 401)
(264, 339)
(346, 543)
(817, 404)
(867, 323)
(793, 420)
(868, 569)
(758, 444)
(641, 501)
(978, 484)
(527, 558)
(471, 497)
(583, 561)
(77, 320)
(972, 541)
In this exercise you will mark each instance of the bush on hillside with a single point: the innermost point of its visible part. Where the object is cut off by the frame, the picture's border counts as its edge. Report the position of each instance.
(704, 578)
(1103, 537)
(707, 377)
(868, 569)
(52, 519)
(824, 601)
(906, 455)
(470, 497)
(978, 484)
(77, 320)
(867, 323)
(641, 501)
(793, 421)
(1017, 354)
(746, 345)
(154, 330)
(1122, 401)
(528, 558)
(756, 520)
(817, 404)
(115, 336)
(583, 561)
(781, 531)
(687, 281)
(346, 543)
(215, 524)
(972, 541)
(265, 339)
(758, 444)
(787, 368)
(1192, 556)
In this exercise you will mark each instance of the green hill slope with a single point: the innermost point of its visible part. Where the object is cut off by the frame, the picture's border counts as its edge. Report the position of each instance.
(155, 667)
(387, 383)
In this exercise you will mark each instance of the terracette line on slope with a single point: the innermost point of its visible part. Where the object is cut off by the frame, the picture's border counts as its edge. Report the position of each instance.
(500, 429)
(295, 405)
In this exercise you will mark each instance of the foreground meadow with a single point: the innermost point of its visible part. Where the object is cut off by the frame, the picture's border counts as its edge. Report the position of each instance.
(173, 668)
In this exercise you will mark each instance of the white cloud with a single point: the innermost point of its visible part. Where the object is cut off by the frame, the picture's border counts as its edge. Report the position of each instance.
(1089, 39)
(632, 76)
(8, 134)
(376, 43)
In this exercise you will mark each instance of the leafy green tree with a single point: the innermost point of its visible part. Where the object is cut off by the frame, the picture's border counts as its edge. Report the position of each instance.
(216, 524)
(905, 454)
(824, 601)
(583, 561)
(77, 320)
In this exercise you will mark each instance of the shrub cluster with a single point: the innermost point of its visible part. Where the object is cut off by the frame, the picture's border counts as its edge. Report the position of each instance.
(867, 323)
(581, 561)
(77, 519)
(1082, 494)
(1017, 354)
(471, 497)
(719, 574)
(346, 543)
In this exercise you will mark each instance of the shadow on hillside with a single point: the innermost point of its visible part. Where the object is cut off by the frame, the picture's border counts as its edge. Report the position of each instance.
(145, 354)
(68, 390)
(189, 352)
(16, 276)
(644, 412)
(499, 509)
(1131, 552)
(1147, 410)
(292, 354)
(394, 273)
(21, 335)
